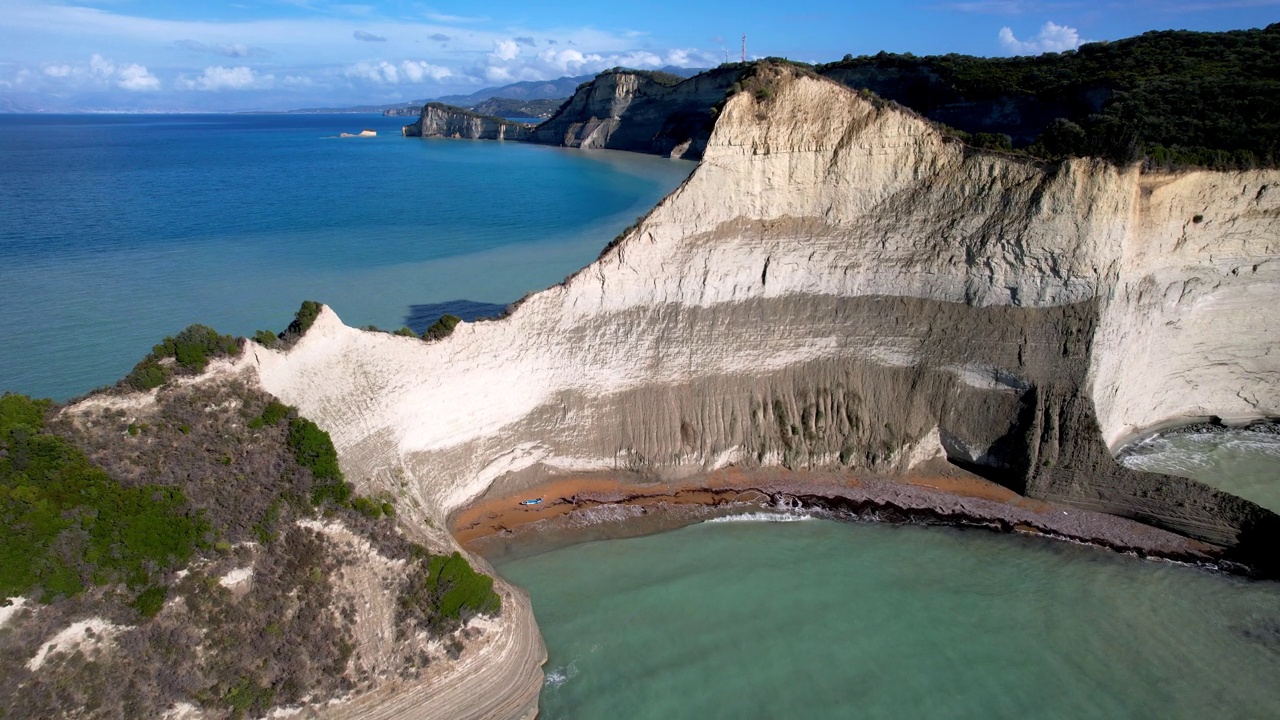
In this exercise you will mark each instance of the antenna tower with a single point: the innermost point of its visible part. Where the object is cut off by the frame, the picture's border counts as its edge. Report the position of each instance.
(744, 47)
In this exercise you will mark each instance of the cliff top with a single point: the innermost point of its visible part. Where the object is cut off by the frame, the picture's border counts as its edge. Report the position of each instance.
(472, 114)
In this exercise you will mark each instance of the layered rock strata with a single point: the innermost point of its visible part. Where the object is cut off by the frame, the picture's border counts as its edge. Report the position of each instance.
(839, 285)
(631, 110)
(447, 121)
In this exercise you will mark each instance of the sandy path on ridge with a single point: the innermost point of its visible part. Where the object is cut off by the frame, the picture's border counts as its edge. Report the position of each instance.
(498, 676)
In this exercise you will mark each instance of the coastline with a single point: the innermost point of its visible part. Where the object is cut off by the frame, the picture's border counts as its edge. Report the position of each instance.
(937, 494)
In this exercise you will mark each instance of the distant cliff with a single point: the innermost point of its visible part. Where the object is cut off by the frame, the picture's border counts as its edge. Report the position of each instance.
(406, 111)
(839, 284)
(440, 120)
(646, 112)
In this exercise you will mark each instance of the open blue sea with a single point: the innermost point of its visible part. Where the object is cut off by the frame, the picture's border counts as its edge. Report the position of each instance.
(116, 230)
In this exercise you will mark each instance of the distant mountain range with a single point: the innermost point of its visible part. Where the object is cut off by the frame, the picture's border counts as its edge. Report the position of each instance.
(558, 89)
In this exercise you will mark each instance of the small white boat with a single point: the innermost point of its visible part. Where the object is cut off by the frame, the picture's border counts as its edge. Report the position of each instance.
(534, 501)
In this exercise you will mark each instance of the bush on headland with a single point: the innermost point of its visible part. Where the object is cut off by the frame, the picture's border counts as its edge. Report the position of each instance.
(448, 589)
(189, 350)
(302, 322)
(441, 328)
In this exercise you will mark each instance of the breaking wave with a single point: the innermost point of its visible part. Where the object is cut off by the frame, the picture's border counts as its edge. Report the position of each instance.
(760, 517)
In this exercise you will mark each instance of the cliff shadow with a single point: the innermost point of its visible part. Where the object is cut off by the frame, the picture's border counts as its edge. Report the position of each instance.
(420, 317)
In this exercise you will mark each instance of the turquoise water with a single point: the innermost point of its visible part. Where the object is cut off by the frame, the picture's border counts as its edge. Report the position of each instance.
(1241, 461)
(820, 619)
(118, 230)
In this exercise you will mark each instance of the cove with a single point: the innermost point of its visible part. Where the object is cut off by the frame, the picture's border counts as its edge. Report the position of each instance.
(819, 619)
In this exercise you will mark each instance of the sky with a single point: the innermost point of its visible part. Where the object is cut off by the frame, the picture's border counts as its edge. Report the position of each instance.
(179, 55)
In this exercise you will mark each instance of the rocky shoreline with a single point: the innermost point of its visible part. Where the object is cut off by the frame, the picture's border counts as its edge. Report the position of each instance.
(940, 495)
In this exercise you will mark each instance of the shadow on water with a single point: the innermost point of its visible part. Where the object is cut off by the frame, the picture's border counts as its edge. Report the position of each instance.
(420, 317)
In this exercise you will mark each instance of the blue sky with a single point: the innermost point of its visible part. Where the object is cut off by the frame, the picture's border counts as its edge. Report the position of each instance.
(280, 54)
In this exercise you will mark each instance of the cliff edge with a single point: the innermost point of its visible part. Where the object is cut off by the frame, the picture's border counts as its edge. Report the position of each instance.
(838, 285)
(447, 121)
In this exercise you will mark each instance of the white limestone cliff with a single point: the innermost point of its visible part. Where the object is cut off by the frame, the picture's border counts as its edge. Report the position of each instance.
(802, 201)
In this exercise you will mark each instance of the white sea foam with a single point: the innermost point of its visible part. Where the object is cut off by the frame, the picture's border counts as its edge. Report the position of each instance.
(1241, 462)
(556, 678)
(760, 517)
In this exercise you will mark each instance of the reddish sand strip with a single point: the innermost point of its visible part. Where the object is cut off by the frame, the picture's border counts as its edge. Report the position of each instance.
(940, 494)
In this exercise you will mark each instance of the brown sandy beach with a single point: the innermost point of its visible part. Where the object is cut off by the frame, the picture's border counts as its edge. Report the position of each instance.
(937, 494)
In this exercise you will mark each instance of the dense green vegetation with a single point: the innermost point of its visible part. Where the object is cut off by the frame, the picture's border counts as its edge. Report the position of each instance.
(441, 328)
(314, 450)
(664, 79)
(447, 589)
(506, 107)
(190, 351)
(65, 524)
(472, 114)
(302, 322)
(1171, 97)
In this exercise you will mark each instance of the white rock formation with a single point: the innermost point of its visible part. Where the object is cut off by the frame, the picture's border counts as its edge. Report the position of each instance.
(802, 205)
(838, 284)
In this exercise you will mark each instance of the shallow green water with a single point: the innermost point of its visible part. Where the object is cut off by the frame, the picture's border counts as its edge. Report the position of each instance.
(820, 619)
(1242, 462)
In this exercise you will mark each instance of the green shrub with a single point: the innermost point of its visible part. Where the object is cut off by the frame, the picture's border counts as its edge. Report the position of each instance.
(314, 450)
(65, 523)
(449, 589)
(302, 322)
(367, 507)
(274, 412)
(150, 601)
(247, 697)
(191, 349)
(16, 410)
(406, 332)
(442, 328)
(460, 588)
(147, 375)
(265, 338)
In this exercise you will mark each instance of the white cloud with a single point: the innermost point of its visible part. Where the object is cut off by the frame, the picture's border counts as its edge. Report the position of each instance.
(58, 71)
(224, 78)
(101, 66)
(1052, 38)
(131, 77)
(363, 36)
(406, 71)
(505, 49)
(137, 79)
(569, 62)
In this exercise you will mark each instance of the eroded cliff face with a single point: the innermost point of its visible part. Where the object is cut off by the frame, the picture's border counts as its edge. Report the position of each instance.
(837, 285)
(627, 110)
(447, 121)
